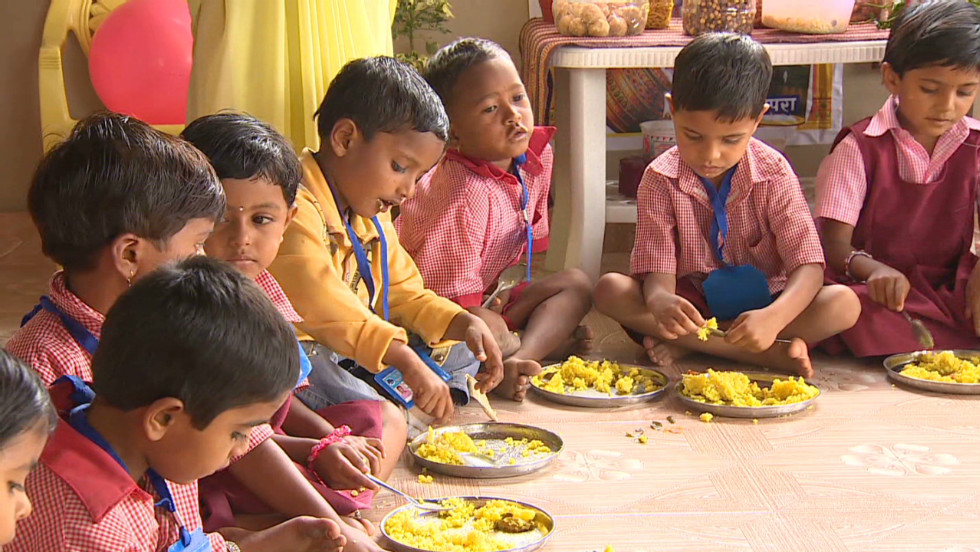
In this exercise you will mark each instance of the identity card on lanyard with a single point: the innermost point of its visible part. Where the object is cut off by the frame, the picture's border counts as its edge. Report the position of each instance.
(730, 290)
(390, 379)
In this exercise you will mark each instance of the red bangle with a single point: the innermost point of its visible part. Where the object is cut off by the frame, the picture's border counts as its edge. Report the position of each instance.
(335, 437)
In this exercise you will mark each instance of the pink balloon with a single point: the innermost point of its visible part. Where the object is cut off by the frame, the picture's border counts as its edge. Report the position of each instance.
(140, 60)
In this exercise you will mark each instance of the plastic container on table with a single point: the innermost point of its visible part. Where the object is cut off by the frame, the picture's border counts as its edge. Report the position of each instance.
(660, 13)
(807, 16)
(600, 17)
(711, 16)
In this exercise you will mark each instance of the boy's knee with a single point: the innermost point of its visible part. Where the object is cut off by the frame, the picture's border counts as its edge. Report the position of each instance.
(610, 290)
(578, 281)
(393, 420)
(844, 305)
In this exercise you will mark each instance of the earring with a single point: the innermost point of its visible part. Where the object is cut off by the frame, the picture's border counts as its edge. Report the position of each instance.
(129, 281)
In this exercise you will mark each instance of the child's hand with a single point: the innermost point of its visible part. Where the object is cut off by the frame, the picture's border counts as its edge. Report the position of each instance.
(472, 330)
(373, 450)
(973, 298)
(342, 468)
(430, 392)
(675, 315)
(754, 331)
(888, 287)
(499, 301)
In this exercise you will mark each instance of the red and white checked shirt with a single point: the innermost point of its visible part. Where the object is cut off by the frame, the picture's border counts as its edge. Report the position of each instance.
(842, 182)
(271, 287)
(45, 344)
(769, 223)
(465, 224)
(84, 501)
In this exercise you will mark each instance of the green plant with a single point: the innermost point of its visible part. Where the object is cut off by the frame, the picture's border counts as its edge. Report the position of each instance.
(896, 8)
(419, 16)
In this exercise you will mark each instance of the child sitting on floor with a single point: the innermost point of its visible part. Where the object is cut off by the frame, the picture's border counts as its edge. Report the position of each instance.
(260, 174)
(897, 197)
(26, 420)
(179, 384)
(724, 229)
(113, 202)
(485, 205)
(381, 128)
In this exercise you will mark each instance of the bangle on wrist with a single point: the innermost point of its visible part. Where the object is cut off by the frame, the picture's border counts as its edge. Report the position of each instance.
(850, 259)
(336, 437)
(232, 547)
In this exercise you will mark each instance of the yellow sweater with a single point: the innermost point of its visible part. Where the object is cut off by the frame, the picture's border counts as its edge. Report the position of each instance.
(317, 269)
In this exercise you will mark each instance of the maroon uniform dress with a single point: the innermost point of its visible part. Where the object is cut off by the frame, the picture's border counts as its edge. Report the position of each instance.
(923, 231)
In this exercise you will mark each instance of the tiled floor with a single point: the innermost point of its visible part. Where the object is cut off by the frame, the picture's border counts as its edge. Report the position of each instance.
(871, 468)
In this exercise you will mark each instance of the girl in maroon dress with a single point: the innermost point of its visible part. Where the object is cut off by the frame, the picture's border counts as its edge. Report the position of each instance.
(897, 197)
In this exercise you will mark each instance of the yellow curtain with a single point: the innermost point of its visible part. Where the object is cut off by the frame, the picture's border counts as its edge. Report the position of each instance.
(275, 58)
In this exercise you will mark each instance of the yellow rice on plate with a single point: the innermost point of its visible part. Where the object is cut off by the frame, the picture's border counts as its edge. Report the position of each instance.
(736, 389)
(944, 366)
(447, 447)
(604, 376)
(465, 528)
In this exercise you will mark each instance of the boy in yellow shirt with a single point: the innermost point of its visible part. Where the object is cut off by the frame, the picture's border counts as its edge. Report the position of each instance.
(381, 128)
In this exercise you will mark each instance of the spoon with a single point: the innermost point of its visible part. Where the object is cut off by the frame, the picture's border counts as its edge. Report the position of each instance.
(722, 333)
(922, 333)
(420, 504)
(510, 278)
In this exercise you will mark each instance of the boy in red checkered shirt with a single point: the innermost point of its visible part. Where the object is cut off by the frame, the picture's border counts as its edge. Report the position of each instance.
(897, 196)
(180, 383)
(113, 202)
(724, 230)
(482, 208)
(260, 173)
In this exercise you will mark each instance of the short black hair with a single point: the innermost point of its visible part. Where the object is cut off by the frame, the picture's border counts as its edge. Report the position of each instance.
(382, 94)
(24, 402)
(199, 331)
(724, 72)
(452, 60)
(943, 33)
(243, 147)
(115, 174)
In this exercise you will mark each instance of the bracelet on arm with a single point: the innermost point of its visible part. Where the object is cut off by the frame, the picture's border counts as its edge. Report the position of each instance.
(337, 436)
(232, 547)
(850, 259)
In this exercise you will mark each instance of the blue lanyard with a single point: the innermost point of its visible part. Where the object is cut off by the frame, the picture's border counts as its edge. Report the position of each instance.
(525, 209)
(84, 337)
(78, 418)
(363, 263)
(719, 201)
(305, 366)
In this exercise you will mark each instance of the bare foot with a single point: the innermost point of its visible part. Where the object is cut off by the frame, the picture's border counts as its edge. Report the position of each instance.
(301, 534)
(580, 343)
(794, 357)
(663, 353)
(360, 524)
(509, 343)
(517, 378)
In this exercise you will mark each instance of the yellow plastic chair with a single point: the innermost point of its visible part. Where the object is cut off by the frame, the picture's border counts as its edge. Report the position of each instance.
(81, 17)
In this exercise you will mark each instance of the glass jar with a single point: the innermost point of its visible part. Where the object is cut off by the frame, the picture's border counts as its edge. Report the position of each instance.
(660, 12)
(601, 17)
(709, 16)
